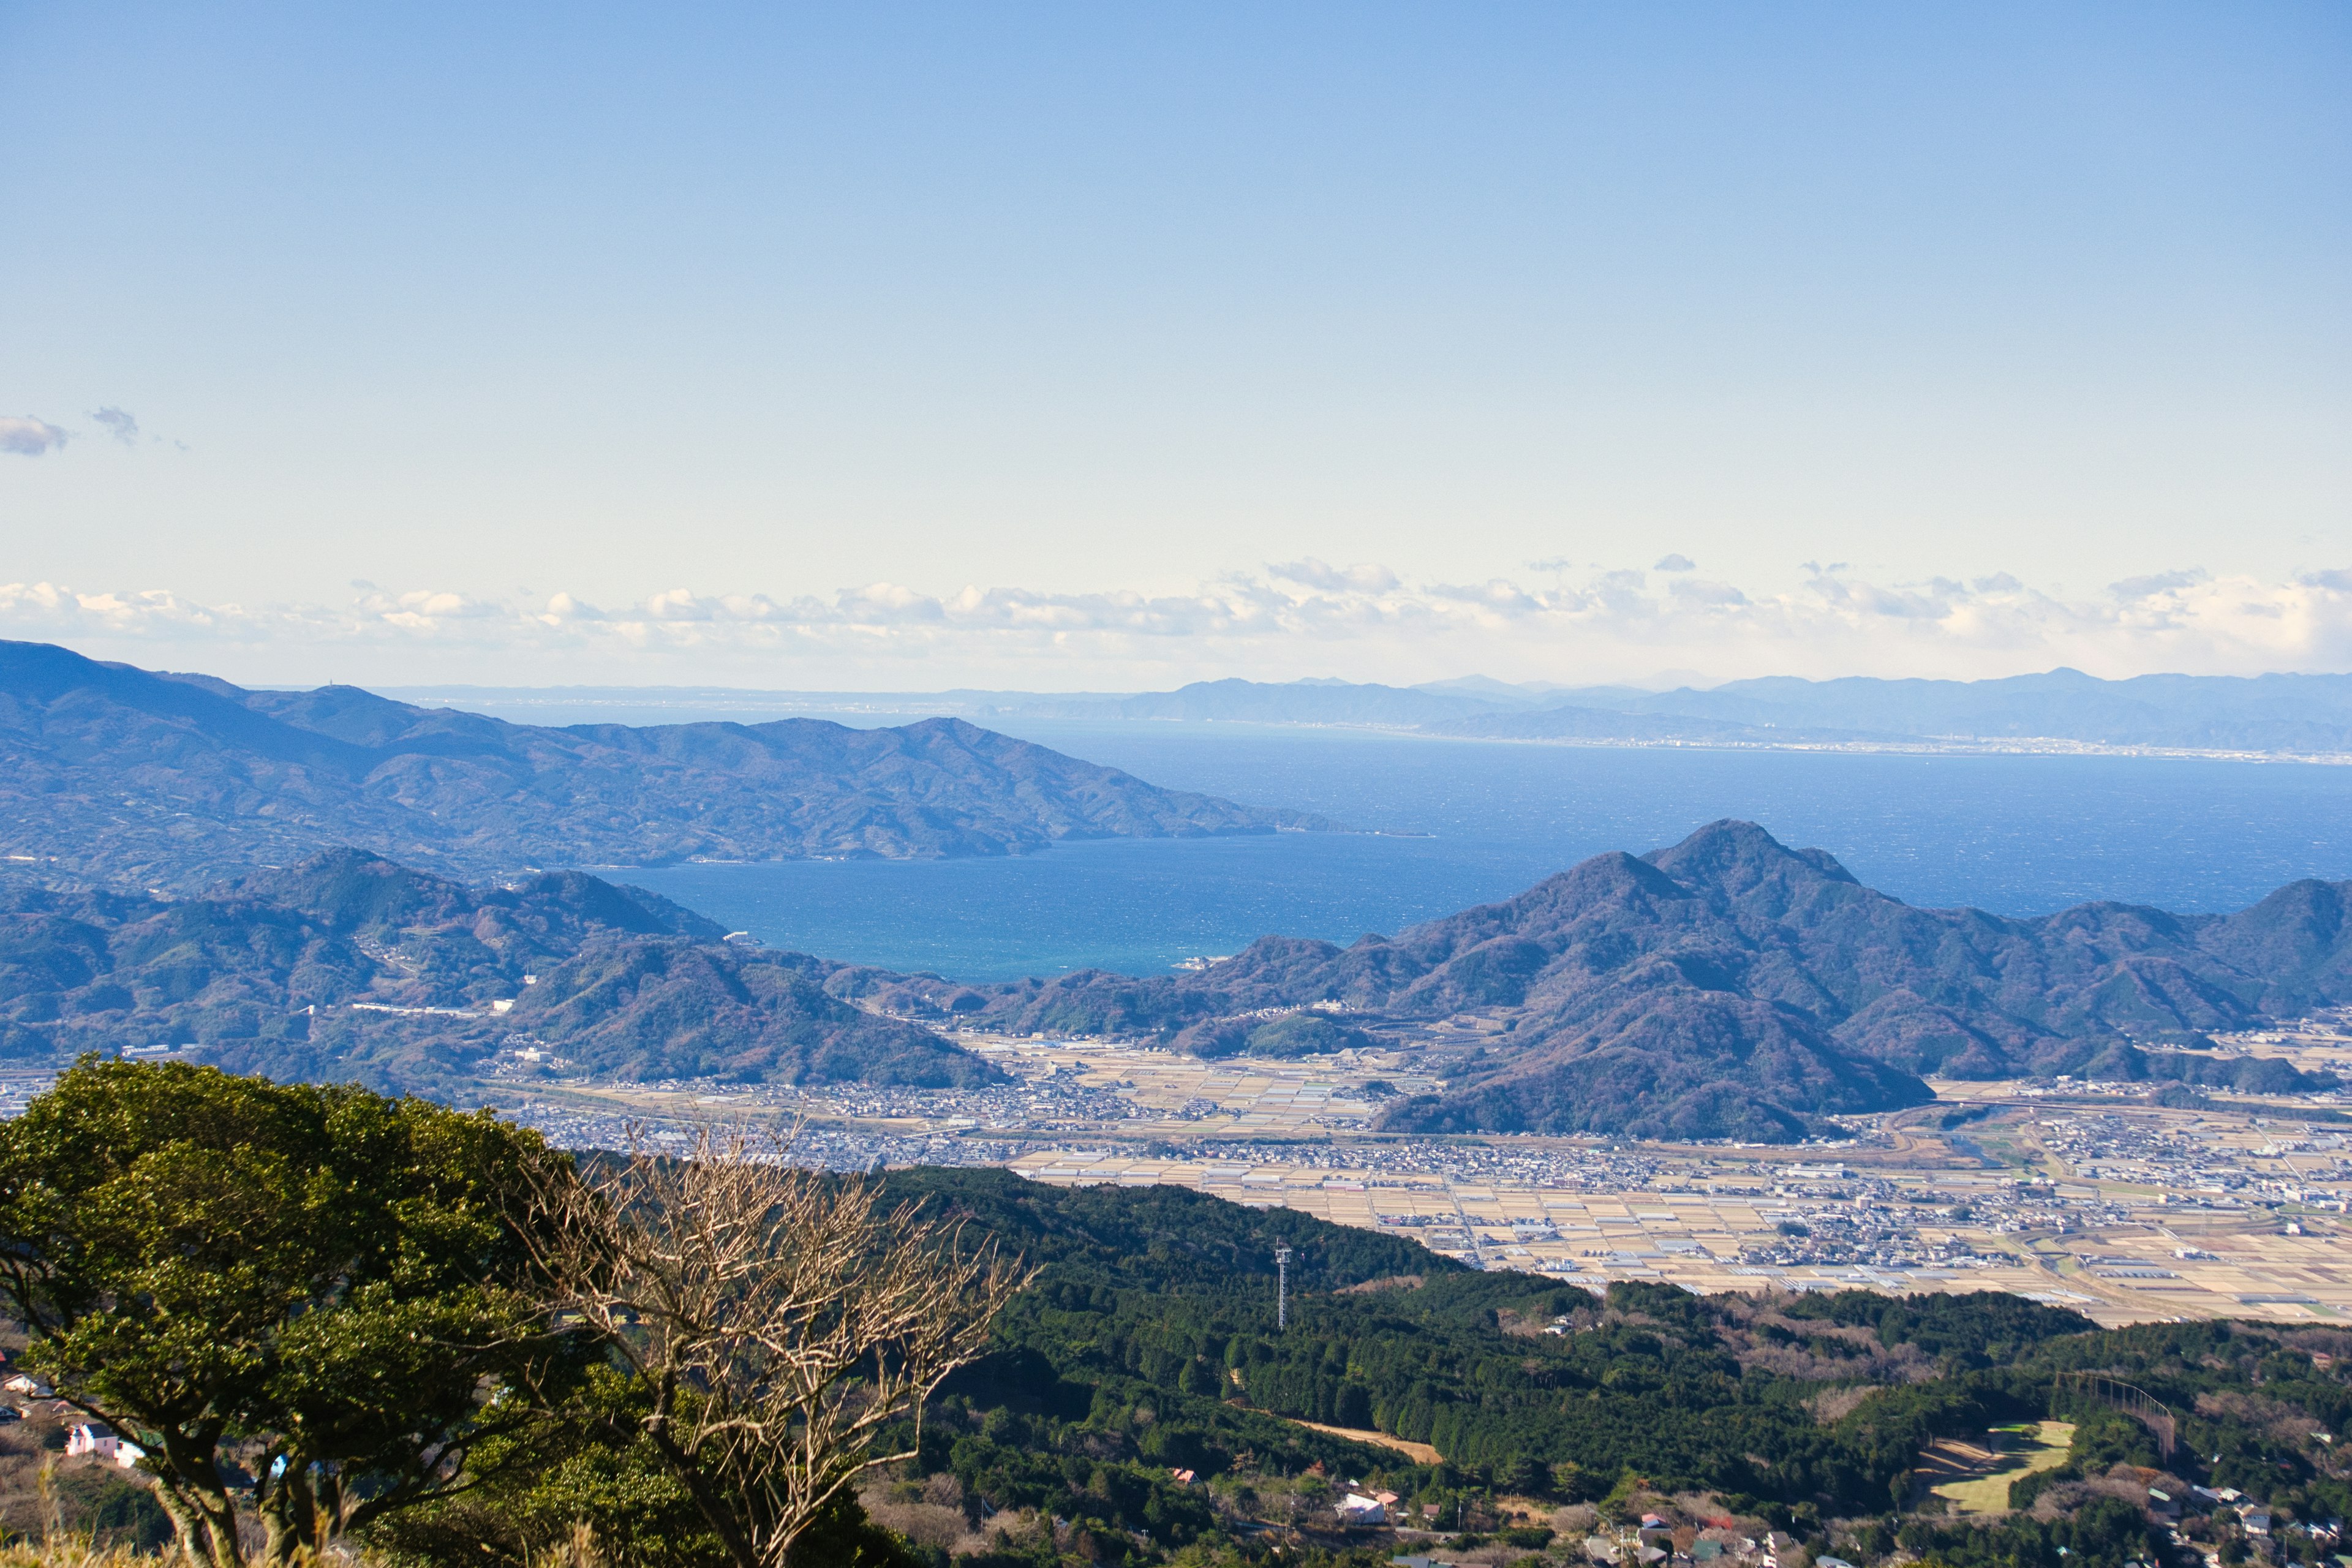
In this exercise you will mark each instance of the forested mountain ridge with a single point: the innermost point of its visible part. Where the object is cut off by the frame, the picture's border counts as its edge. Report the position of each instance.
(347, 965)
(1731, 986)
(1149, 1340)
(1173, 1290)
(1725, 988)
(116, 773)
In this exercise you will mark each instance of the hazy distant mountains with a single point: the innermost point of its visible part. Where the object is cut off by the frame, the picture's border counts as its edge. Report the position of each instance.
(2306, 713)
(264, 973)
(1730, 987)
(113, 772)
(2271, 713)
(2302, 713)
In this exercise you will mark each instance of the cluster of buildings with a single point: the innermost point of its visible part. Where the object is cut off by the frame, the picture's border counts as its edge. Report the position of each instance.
(2266, 1160)
(23, 1397)
(2094, 1193)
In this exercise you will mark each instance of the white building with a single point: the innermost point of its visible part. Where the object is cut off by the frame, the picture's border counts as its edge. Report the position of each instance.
(100, 1442)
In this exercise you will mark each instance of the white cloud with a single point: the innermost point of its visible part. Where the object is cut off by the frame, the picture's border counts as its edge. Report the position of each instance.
(1364, 621)
(25, 437)
(118, 424)
(1698, 592)
(1676, 562)
(1312, 573)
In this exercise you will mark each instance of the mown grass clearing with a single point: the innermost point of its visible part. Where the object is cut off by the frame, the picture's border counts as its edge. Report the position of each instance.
(2025, 1448)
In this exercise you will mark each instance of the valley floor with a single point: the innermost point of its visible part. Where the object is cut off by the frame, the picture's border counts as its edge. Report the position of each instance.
(2088, 1195)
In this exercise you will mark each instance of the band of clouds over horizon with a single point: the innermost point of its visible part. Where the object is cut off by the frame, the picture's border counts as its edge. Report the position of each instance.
(1306, 616)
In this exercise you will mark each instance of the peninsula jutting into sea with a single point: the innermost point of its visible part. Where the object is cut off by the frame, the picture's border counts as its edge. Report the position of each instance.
(2303, 716)
(1630, 1021)
(1504, 786)
(1518, 1166)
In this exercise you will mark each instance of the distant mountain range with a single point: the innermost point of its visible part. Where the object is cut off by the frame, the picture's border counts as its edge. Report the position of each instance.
(1728, 987)
(2297, 714)
(2290, 714)
(114, 773)
(350, 966)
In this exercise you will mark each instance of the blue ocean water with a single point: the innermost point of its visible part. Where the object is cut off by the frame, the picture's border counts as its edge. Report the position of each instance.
(2017, 835)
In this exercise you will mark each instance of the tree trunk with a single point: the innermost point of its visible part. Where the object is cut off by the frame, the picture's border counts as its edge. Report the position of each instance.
(187, 1526)
(197, 1503)
(288, 1506)
(720, 1518)
(206, 1526)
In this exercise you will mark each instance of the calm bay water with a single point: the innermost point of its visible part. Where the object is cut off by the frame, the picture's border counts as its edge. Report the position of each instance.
(2015, 835)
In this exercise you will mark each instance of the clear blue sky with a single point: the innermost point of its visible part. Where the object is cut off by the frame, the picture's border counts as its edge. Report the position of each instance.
(492, 302)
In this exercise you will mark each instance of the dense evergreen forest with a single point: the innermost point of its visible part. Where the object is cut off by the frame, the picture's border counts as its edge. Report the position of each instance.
(1148, 1347)
(319, 1299)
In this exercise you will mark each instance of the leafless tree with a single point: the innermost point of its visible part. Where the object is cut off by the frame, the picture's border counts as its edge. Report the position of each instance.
(778, 1317)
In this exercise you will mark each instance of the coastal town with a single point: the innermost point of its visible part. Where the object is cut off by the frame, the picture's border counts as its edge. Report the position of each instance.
(2094, 1195)
(2091, 1194)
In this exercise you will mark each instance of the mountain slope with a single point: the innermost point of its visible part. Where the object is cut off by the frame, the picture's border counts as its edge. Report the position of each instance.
(673, 1009)
(348, 965)
(1729, 986)
(108, 771)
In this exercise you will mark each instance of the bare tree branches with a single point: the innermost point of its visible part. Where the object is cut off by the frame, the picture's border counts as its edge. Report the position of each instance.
(778, 1317)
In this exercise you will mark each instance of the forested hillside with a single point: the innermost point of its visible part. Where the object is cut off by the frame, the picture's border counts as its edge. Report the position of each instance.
(1148, 1346)
(1731, 986)
(1725, 988)
(111, 771)
(349, 966)
(1799, 1410)
(1168, 1294)
(1136, 1400)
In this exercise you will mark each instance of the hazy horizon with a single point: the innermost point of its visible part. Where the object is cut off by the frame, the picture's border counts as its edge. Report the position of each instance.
(1058, 347)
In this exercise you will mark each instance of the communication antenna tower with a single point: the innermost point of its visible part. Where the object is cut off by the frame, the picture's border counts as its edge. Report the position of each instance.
(1281, 1288)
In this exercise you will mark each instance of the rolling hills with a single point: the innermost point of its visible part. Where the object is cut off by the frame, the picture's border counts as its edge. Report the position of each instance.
(116, 773)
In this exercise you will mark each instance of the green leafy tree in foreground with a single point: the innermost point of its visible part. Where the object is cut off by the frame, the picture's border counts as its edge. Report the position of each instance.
(597, 1475)
(317, 1283)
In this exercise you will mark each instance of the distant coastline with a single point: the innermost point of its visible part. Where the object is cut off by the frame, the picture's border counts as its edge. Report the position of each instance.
(2302, 719)
(2021, 746)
